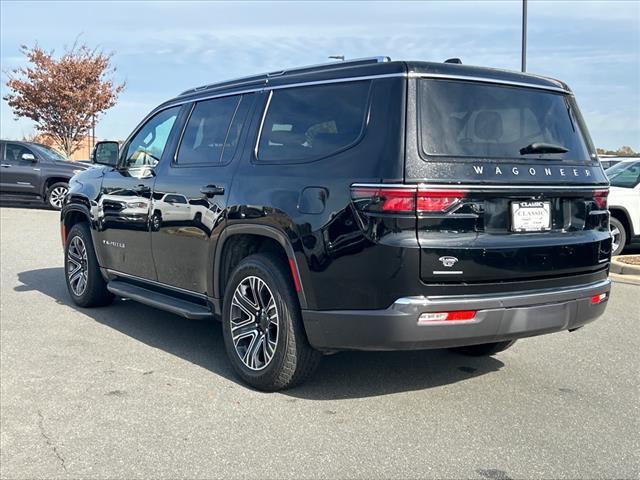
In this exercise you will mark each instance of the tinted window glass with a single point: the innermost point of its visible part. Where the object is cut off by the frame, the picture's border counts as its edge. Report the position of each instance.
(477, 120)
(49, 153)
(625, 174)
(307, 123)
(146, 147)
(208, 132)
(14, 152)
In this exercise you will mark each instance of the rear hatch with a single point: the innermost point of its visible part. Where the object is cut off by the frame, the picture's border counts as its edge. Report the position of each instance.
(507, 184)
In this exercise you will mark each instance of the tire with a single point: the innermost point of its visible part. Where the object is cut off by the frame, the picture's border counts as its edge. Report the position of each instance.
(81, 271)
(55, 195)
(484, 349)
(618, 236)
(269, 352)
(156, 221)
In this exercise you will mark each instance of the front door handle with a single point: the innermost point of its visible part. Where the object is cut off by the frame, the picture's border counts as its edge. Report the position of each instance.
(4, 165)
(140, 189)
(212, 190)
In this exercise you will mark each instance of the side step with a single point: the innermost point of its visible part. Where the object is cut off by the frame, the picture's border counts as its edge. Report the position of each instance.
(171, 304)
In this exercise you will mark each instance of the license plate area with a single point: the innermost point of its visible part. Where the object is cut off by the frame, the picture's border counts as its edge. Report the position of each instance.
(530, 216)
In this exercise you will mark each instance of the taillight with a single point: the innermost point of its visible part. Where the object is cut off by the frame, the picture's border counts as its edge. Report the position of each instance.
(455, 316)
(405, 199)
(386, 199)
(600, 197)
(438, 200)
(597, 299)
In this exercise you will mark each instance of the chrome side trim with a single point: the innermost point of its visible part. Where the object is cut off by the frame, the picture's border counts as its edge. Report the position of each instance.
(488, 80)
(264, 115)
(158, 284)
(184, 129)
(257, 78)
(267, 88)
(515, 299)
(462, 186)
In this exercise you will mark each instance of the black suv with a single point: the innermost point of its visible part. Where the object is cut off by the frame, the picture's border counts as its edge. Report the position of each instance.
(367, 205)
(31, 172)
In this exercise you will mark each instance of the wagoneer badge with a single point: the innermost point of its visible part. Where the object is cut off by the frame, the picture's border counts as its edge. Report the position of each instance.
(448, 261)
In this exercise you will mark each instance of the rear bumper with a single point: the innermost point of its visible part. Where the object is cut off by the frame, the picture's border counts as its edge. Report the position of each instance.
(498, 317)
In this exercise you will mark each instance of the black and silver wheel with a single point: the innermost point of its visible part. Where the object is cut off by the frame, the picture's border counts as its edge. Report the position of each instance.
(262, 326)
(56, 194)
(84, 280)
(484, 349)
(156, 221)
(618, 236)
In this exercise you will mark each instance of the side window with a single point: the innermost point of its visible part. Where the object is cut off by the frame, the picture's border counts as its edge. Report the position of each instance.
(146, 147)
(13, 152)
(307, 123)
(212, 132)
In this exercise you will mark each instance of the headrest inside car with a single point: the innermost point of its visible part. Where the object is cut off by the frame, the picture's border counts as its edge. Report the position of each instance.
(287, 138)
(488, 126)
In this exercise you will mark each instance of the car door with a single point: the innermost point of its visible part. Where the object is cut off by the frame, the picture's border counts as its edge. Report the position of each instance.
(20, 170)
(123, 236)
(184, 235)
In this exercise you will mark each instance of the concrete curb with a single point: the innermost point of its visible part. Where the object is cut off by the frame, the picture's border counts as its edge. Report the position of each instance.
(623, 268)
(628, 279)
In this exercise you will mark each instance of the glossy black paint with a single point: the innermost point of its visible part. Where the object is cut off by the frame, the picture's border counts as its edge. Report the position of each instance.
(26, 180)
(162, 226)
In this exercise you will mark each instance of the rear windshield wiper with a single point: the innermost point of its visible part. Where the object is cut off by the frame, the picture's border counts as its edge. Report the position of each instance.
(538, 147)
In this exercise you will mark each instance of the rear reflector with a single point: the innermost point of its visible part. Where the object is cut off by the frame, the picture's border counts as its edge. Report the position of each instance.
(294, 274)
(405, 200)
(596, 299)
(457, 316)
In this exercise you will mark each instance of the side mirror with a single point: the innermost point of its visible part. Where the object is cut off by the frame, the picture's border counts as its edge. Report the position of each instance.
(29, 157)
(106, 153)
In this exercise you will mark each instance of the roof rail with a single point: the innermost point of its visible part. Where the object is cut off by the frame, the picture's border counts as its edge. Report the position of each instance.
(297, 70)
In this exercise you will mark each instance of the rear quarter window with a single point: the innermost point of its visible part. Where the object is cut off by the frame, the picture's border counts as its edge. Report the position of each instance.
(304, 124)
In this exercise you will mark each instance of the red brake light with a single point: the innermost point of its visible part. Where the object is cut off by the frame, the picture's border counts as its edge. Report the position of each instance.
(406, 200)
(456, 316)
(384, 199)
(596, 299)
(600, 197)
(438, 200)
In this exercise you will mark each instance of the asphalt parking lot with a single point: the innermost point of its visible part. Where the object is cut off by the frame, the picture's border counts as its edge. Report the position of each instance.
(130, 392)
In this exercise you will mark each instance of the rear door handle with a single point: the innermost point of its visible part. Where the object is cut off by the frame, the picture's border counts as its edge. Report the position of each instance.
(212, 190)
(4, 165)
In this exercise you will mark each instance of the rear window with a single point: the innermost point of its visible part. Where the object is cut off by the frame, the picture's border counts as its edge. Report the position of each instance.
(307, 123)
(467, 119)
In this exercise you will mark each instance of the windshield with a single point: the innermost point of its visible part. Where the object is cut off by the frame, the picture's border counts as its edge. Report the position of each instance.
(49, 153)
(471, 119)
(624, 174)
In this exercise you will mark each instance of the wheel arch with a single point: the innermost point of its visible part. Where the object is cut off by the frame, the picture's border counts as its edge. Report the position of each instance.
(237, 241)
(52, 180)
(621, 214)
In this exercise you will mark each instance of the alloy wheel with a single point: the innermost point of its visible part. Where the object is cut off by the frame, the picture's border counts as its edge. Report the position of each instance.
(254, 323)
(77, 266)
(56, 196)
(615, 238)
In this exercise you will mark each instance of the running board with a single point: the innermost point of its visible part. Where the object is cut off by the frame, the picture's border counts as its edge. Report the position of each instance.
(171, 304)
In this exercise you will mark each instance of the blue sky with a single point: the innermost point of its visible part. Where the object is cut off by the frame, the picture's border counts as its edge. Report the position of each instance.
(165, 47)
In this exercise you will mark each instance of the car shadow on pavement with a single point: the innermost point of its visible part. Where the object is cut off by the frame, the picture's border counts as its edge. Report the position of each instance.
(340, 376)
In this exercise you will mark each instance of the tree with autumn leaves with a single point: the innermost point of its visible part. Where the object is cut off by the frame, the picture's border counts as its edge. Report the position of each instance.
(63, 96)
